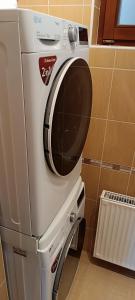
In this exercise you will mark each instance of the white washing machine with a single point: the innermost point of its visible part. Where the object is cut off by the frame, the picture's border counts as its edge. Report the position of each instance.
(44, 269)
(45, 106)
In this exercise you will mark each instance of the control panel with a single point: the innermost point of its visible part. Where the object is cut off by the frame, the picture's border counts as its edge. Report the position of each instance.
(74, 35)
(46, 28)
(39, 32)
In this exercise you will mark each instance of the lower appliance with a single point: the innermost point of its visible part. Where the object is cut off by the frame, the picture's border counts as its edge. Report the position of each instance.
(44, 269)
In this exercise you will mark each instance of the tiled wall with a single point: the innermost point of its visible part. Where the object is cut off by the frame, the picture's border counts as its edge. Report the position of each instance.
(109, 154)
(3, 288)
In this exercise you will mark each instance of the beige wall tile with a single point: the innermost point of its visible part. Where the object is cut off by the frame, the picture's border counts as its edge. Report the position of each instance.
(94, 143)
(101, 79)
(42, 8)
(114, 181)
(119, 143)
(122, 105)
(89, 245)
(90, 175)
(87, 2)
(102, 57)
(79, 11)
(73, 13)
(125, 59)
(32, 2)
(3, 292)
(95, 26)
(91, 213)
(131, 188)
(86, 16)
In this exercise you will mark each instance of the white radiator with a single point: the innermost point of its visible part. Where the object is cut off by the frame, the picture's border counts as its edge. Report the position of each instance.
(115, 237)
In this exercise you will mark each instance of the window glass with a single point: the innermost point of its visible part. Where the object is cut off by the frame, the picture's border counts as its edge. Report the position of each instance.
(126, 14)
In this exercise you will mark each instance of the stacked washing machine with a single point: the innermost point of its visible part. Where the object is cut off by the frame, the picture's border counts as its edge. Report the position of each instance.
(45, 107)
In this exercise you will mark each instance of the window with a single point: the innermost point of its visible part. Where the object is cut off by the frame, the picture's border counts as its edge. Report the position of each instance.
(117, 22)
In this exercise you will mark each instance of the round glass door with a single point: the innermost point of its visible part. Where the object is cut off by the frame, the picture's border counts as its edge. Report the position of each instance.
(67, 116)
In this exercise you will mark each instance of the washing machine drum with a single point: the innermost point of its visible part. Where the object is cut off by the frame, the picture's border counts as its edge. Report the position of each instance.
(67, 116)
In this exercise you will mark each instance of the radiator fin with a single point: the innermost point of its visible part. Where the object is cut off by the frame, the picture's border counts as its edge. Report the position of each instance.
(115, 237)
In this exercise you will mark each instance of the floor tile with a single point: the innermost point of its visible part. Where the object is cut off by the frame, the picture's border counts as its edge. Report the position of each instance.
(96, 283)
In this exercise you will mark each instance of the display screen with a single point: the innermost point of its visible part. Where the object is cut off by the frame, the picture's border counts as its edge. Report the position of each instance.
(83, 36)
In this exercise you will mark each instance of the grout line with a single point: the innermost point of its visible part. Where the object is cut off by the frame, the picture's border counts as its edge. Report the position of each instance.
(91, 22)
(108, 165)
(106, 127)
(2, 283)
(90, 199)
(33, 5)
(130, 173)
(54, 5)
(113, 120)
(97, 25)
(101, 68)
(59, 5)
(123, 122)
(98, 118)
(115, 47)
(110, 68)
(97, 7)
(48, 7)
(83, 12)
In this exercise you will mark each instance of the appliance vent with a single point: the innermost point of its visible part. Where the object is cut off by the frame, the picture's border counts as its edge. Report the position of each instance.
(118, 198)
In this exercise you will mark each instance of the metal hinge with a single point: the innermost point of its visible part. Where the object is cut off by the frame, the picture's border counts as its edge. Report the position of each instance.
(20, 252)
(109, 42)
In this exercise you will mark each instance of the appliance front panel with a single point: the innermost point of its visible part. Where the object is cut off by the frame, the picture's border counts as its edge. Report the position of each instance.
(48, 191)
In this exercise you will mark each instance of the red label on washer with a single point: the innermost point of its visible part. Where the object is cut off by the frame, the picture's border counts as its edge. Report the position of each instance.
(46, 65)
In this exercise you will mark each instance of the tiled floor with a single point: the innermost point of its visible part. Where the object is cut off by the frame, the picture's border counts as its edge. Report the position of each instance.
(96, 283)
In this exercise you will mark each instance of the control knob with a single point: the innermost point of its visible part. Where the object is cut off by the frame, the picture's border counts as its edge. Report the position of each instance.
(72, 34)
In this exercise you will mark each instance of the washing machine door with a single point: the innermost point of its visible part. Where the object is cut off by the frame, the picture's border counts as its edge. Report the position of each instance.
(69, 261)
(67, 116)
